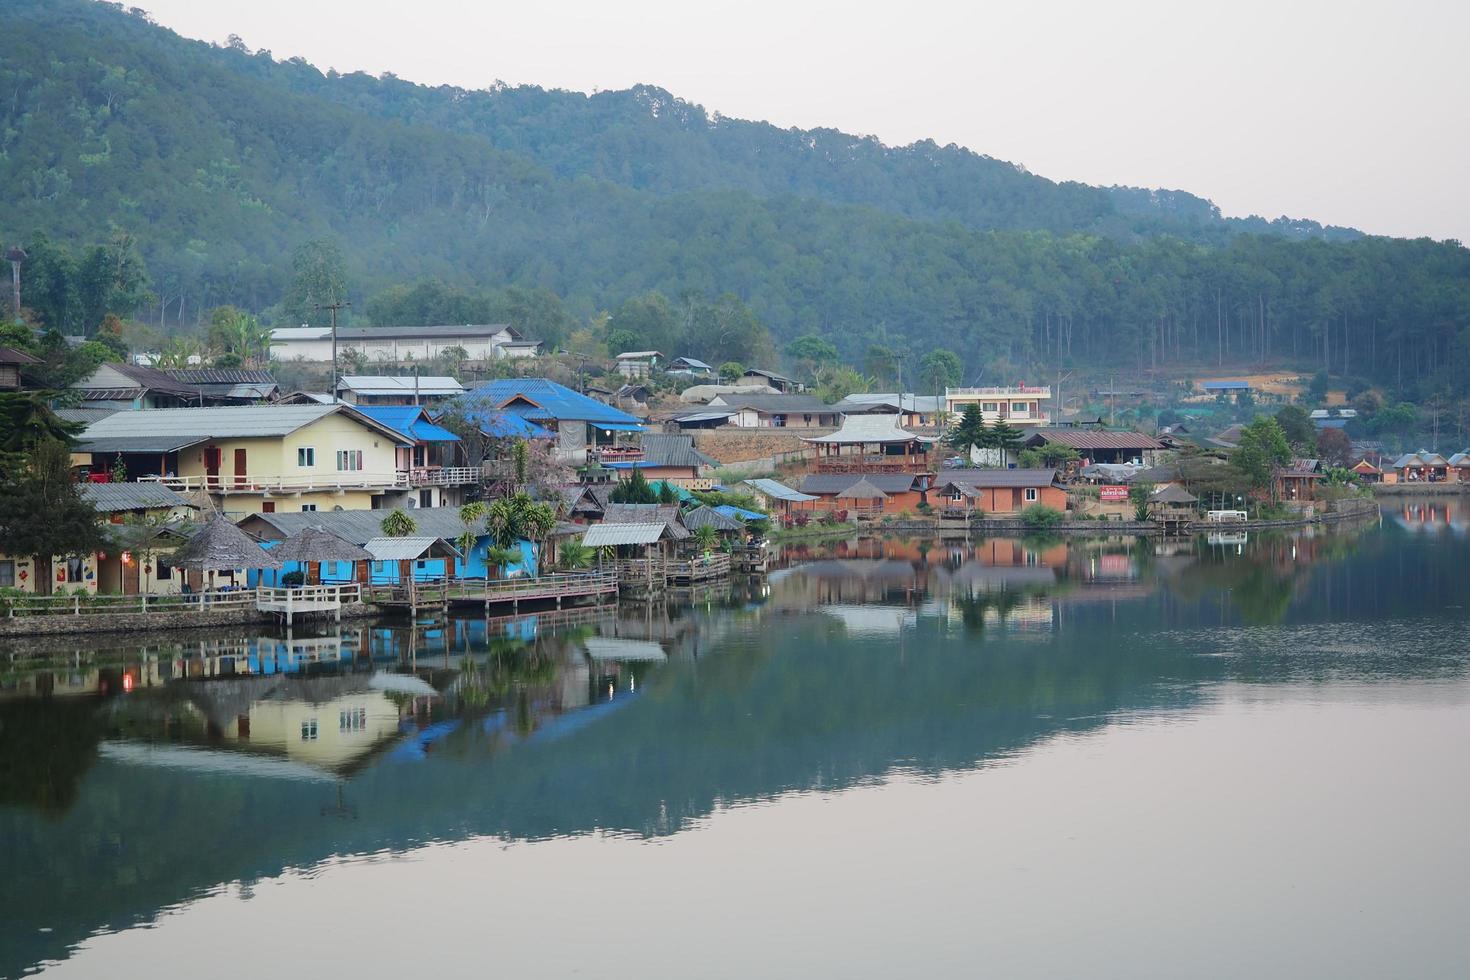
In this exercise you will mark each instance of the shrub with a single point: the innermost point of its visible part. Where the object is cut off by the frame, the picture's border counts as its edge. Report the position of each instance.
(293, 580)
(1041, 517)
(801, 518)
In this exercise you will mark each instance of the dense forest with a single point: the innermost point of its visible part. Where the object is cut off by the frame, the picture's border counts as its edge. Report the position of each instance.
(214, 164)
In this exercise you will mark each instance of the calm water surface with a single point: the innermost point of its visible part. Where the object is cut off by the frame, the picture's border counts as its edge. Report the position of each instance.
(895, 758)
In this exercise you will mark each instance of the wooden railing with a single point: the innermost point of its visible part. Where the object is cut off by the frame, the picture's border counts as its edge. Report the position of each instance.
(307, 483)
(437, 591)
(715, 565)
(874, 463)
(101, 605)
(443, 476)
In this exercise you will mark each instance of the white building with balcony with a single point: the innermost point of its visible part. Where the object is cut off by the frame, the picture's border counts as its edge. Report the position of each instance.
(1019, 405)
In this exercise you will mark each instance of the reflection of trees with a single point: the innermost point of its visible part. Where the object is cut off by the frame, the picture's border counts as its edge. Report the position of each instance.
(50, 743)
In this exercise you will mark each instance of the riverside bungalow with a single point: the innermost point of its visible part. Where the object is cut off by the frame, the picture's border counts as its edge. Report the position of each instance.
(895, 492)
(254, 457)
(361, 527)
(1421, 467)
(1298, 479)
(781, 499)
(1459, 467)
(582, 426)
(1367, 472)
(999, 491)
(872, 444)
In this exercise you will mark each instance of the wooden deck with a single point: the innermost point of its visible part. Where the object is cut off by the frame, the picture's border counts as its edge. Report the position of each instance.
(494, 592)
(701, 569)
(307, 600)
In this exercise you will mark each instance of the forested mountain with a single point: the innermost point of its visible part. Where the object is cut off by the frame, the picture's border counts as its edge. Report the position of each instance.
(221, 162)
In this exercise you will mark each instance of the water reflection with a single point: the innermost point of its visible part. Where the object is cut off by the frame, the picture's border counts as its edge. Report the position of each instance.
(135, 778)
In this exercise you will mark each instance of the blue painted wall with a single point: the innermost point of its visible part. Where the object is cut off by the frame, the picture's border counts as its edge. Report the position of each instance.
(386, 572)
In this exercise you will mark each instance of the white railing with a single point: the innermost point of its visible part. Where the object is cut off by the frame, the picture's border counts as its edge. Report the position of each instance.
(442, 476)
(307, 483)
(302, 598)
(1017, 391)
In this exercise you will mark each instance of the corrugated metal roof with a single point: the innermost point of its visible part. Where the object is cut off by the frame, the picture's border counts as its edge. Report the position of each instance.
(1094, 439)
(86, 416)
(358, 526)
(480, 330)
(222, 422)
(700, 516)
(410, 421)
(221, 376)
(541, 399)
(599, 535)
(672, 449)
(775, 404)
(858, 429)
(779, 491)
(644, 514)
(113, 497)
(405, 549)
(136, 444)
(620, 648)
(827, 484)
(372, 384)
(997, 478)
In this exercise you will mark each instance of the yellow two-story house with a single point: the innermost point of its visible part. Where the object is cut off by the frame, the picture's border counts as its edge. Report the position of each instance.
(253, 459)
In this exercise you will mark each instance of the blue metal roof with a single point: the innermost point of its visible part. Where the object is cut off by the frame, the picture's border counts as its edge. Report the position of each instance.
(1226, 386)
(509, 425)
(541, 399)
(410, 421)
(730, 510)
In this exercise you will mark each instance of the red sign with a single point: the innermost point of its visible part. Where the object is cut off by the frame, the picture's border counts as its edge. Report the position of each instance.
(1112, 493)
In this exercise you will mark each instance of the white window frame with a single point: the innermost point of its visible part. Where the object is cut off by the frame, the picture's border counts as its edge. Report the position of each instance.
(309, 730)
(1032, 495)
(305, 456)
(349, 460)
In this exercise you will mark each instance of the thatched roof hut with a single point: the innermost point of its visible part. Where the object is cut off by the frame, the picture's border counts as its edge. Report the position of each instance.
(220, 546)
(318, 544)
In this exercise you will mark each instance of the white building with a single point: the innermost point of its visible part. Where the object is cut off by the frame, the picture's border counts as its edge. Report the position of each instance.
(398, 345)
(1019, 405)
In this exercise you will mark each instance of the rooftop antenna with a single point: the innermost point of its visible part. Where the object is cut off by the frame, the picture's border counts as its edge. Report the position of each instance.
(16, 255)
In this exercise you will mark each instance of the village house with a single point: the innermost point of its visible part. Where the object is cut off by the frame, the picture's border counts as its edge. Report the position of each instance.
(872, 444)
(775, 411)
(12, 362)
(1422, 467)
(781, 499)
(583, 427)
(366, 389)
(670, 457)
(429, 454)
(760, 376)
(691, 367)
(866, 493)
(145, 517)
(133, 387)
(1099, 445)
(1367, 472)
(996, 491)
(254, 458)
(914, 411)
(1022, 405)
(397, 345)
(1298, 479)
(638, 363)
(228, 386)
(1459, 467)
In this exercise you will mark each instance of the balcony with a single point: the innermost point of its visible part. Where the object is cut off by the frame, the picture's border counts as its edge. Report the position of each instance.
(229, 483)
(615, 454)
(874, 463)
(442, 476)
(1016, 391)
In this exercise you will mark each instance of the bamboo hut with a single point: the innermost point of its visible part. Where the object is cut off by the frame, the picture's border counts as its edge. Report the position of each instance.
(220, 546)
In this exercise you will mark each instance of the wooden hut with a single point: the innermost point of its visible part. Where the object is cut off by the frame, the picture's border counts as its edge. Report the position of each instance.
(313, 545)
(220, 546)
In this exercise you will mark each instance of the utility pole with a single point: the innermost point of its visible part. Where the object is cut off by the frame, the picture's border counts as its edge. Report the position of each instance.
(16, 255)
(334, 307)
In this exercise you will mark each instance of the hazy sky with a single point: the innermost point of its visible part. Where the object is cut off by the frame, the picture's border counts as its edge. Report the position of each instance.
(1347, 112)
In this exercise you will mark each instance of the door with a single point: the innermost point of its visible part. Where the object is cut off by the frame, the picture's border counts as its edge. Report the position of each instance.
(211, 465)
(1016, 499)
(239, 467)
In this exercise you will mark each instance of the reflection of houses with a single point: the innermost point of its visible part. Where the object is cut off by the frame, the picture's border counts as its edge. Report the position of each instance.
(998, 491)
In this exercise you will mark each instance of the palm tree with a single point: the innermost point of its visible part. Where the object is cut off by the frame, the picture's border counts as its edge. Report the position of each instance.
(517, 518)
(706, 537)
(244, 337)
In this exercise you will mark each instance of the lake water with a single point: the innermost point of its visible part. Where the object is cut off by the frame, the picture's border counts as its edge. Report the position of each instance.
(1212, 758)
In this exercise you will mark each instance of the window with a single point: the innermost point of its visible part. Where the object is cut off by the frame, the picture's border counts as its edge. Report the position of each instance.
(1032, 495)
(308, 730)
(306, 456)
(73, 569)
(164, 572)
(989, 406)
(7, 574)
(352, 720)
(1019, 407)
(349, 459)
(308, 507)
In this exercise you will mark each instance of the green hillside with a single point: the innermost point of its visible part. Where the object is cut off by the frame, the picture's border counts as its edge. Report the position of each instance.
(221, 162)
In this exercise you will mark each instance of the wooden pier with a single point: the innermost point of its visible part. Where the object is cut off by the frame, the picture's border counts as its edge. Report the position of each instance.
(307, 600)
(441, 593)
(699, 569)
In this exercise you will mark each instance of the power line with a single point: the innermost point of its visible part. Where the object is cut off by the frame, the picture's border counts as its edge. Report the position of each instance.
(334, 307)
